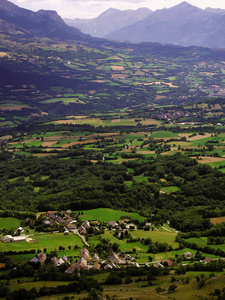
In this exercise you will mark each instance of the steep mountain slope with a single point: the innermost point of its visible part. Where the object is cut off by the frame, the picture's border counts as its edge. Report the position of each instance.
(14, 19)
(182, 24)
(109, 21)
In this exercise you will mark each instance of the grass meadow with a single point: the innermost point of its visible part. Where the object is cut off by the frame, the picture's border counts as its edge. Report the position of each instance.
(48, 241)
(8, 223)
(108, 214)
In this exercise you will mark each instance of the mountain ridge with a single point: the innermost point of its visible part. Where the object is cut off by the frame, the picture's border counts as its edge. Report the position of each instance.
(43, 23)
(110, 20)
(183, 24)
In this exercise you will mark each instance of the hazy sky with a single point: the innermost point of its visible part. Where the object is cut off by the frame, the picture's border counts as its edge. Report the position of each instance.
(92, 8)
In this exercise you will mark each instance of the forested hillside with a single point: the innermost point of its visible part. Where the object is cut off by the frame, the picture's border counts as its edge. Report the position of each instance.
(72, 181)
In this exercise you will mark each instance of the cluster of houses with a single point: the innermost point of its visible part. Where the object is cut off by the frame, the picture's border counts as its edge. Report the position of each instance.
(68, 223)
(65, 219)
(40, 258)
(86, 262)
(85, 226)
(187, 256)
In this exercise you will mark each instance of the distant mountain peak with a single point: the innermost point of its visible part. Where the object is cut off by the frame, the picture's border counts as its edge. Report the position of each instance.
(52, 14)
(44, 23)
(185, 4)
(110, 20)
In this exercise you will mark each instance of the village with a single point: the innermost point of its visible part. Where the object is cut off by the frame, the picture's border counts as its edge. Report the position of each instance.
(69, 223)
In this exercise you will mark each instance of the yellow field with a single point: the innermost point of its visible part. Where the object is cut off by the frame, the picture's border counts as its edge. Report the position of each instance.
(209, 159)
(217, 220)
(117, 68)
(2, 54)
(150, 122)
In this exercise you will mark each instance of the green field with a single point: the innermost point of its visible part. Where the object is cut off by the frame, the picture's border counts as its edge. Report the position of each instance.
(49, 241)
(108, 214)
(64, 100)
(162, 236)
(123, 245)
(164, 134)
(8, 223)
(170, 189)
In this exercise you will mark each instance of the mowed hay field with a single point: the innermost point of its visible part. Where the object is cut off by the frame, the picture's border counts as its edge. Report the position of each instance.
(209, 159)
(8, 223)
(157, 236)
(49, 241)
(108, 214)
(218, 220)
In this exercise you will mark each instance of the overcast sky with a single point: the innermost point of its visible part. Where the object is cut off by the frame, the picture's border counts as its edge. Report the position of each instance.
(92, 8)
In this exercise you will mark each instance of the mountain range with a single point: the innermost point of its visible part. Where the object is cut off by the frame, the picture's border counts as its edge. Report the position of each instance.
(109, 21)
(183, 24)
(44, 23)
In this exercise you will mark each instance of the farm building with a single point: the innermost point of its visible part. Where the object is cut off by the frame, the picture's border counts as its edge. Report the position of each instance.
(59, 262)
(113, 224)
(64, 257)
(167, 261)
(19, 238)
(114, 258)
(71, 269)
(95, 258)
(148, 225)
(127, 256)
(84, 253)
(108, 267)
(7, 239)
(136, 265)
(34, 260)
(187, 255)
(97, 266)
(41, 258)
(54, 259)
(70, 226)
(86, 224)
(81, 264)
(82, 230)
(208, 260)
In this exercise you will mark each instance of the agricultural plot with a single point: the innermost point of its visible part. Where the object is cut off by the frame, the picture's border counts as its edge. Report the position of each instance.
(107, 215)
(218, 220)
(170, 189)
(49, 241)
(8, 223)
(163, 236)
(202, 242)
(64, 101)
